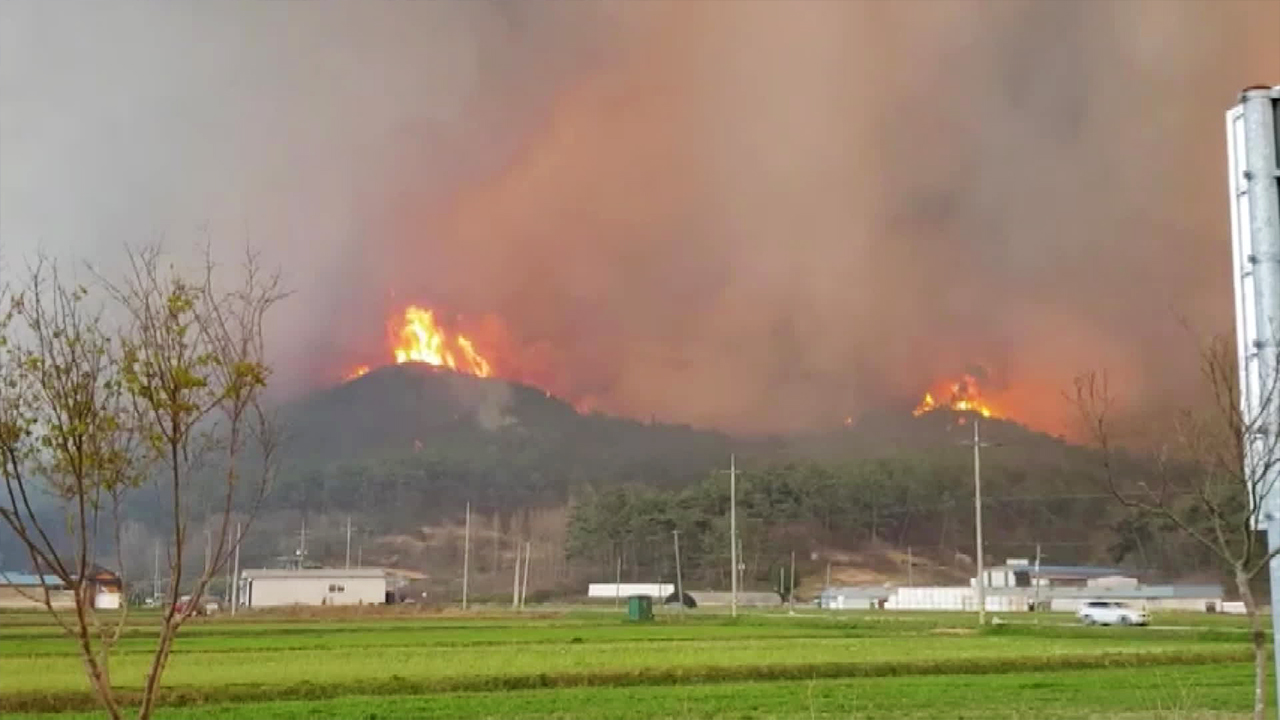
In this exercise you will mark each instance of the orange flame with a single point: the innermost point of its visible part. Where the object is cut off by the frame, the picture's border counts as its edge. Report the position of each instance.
(422, 340)
(963, 395)
(358, 371)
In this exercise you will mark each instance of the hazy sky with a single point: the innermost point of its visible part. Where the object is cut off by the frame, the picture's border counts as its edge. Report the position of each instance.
(751, 214)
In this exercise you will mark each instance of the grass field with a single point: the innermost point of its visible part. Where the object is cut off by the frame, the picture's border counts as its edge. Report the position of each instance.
(593, 664)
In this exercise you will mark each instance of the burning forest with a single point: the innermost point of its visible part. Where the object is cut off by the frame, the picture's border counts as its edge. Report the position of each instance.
(417, 335)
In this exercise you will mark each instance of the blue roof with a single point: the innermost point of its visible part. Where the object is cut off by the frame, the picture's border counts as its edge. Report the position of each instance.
(22, 579)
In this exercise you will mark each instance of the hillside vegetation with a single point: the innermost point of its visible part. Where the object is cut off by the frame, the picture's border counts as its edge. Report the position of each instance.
(402, 450)
(407, 446)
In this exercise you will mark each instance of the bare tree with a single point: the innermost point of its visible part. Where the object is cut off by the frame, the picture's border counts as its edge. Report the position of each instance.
(66, 433)
(168, 396)
(1210, 479)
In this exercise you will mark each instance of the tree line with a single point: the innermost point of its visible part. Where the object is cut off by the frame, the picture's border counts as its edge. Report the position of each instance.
(922, 501)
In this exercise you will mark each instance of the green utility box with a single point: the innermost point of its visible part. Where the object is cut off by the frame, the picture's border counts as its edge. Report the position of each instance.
(639, 608)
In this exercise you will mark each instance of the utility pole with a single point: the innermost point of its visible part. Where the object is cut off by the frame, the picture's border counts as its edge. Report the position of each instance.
(742, 566)
(733, 535)
(235, 589)
(155, 579)
(827, 584)
(515, 583)
(466, 558)
(1036, 579)
(675, 538)
(617, 584)
(1253, 161)
(734, 545)
(791, 588)
(524, 587)
(226, 558)
(206, 550)
(980, 583)
(977, 514)
(348, 542)
(302, 545)
(911, 567)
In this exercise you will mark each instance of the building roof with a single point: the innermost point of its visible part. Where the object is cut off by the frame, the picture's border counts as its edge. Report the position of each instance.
(276, 574)
(405, 574)
(717, 597)
(858, 591)
(21, 579)
(1065, 572)
(1142, 592)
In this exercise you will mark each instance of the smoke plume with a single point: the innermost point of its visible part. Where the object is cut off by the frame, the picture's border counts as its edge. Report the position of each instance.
(760, 216)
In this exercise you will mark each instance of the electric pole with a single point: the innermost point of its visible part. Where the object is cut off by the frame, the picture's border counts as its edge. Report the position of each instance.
(734, 546)
(1036, 578)
(466, 556)
(226, 558)
(617, 585)
(348, 542)
(791, 588)
(524, 587)
(515, 583)
(235, 589)
(977, 514)
(675, 538)
(155, 580)
(733, 535)
(911, 566)
(980, 583)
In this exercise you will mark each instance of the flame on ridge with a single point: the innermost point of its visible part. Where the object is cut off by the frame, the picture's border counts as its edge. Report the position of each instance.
(963, 395)
(422, 340)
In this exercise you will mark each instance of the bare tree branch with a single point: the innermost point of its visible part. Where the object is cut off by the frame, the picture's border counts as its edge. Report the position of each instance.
(1216, 483)
(90, 410)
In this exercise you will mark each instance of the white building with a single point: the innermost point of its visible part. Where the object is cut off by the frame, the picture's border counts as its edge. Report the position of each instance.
(318, 586)
(865, 597)
(657, 591)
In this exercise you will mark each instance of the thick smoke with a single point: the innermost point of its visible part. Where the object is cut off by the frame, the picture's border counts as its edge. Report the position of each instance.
(752, 215)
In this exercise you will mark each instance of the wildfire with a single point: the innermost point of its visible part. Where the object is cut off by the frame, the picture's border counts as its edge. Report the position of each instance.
(963, 395)
(359, 371)
(421, 340)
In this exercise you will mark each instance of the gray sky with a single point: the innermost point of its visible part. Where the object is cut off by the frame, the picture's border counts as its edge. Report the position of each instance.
(756, 215)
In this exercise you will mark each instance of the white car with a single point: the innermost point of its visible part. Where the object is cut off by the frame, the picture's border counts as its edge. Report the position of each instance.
(1110, 612)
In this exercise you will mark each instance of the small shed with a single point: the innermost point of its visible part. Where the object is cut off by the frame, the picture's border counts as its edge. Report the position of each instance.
(106, 588)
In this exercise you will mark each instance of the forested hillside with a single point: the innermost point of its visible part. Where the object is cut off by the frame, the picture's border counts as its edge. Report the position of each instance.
(400, 451)
(408, 446)
(411, 443)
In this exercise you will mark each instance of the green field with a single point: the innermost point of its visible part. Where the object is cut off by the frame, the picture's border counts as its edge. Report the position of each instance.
(593, 664)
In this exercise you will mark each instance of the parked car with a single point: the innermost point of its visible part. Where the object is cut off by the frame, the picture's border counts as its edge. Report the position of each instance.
(183, 602)
(1110, 612)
